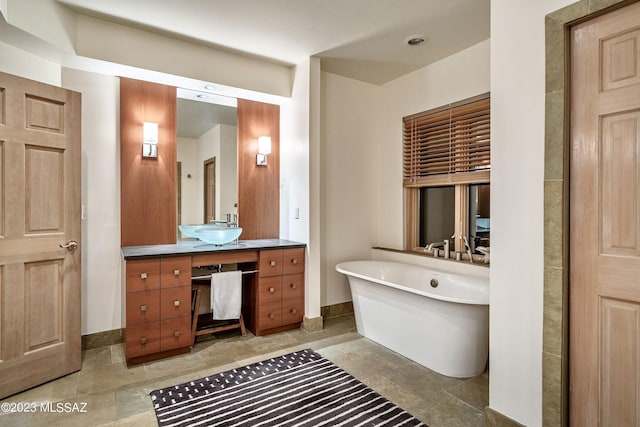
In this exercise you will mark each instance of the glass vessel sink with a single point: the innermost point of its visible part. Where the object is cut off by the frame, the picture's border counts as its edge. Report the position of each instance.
(218, 235)
(191, 229)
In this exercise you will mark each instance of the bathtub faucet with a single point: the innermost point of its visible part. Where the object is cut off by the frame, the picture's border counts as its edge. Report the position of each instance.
(468, 249)
(433, 247)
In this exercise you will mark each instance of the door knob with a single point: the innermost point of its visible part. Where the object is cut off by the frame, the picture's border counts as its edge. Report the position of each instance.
(70, 245)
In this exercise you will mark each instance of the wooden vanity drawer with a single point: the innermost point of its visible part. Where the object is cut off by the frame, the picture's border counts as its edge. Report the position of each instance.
(142, 339)
(175, 333)
(175, 272)
(143, 307)
(269, 290)
(175, 302)
(271, 262)
(270, 315)
(293, 286)
(143, 274)
(292, 311)
(293, 261)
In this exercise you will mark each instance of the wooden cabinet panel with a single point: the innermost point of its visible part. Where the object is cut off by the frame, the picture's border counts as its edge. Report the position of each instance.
(271, 262)
(175, 302)
(175, 333)
(258, 186)
(293, 286)
(157, 307)
(142, 339)
(175, 272)
(269, 290)
(293, 261)
(292, 311)
(143, 306)
(147, 186)
(279, 293)
(270, 315)
(143, 275)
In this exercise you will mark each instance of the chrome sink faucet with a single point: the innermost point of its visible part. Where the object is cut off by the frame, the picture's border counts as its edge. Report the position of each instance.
(229, 222)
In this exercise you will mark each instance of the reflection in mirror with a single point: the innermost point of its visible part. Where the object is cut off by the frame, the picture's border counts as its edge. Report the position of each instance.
(479, 216)
(207, 185)
(437, 214)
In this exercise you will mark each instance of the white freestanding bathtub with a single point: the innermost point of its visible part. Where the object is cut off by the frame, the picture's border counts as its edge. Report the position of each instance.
(437, 319)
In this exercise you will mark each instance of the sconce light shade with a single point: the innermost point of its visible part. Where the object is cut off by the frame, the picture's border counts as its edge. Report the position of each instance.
(264, 145)
(264, 148)
(150, 140)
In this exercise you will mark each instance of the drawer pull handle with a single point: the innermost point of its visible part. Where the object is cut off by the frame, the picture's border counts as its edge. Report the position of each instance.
(294, 311)
(272, 263)
(294, 261)
(272, 316)
(143, 308)
(176, 272)
(143, 276)
(272, 290)
(176, 334)
(176, 303)
(143, 340)
(294, 286)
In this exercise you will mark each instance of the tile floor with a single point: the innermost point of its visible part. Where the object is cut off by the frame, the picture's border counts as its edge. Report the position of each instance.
(119, 396)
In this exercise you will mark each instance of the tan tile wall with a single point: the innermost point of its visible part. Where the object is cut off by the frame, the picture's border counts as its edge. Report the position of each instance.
(556, 226)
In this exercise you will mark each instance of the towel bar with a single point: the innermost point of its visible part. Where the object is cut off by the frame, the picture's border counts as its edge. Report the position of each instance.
(208, 276)
(218, 326)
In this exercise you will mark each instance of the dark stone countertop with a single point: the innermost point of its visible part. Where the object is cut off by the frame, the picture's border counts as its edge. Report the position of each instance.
(195, 246)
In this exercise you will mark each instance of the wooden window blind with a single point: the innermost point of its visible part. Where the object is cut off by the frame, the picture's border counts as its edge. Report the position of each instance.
(450, 144)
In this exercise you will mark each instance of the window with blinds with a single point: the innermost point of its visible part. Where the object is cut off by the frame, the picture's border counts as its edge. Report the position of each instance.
(449, 144)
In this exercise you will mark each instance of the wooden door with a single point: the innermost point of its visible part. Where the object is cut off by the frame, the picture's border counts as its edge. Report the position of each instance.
(209, 190)
(40, 213)
(604, 278)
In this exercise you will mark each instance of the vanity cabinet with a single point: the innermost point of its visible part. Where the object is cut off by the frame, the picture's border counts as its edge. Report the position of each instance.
(157, 293)
(279, 296)
(157, 308)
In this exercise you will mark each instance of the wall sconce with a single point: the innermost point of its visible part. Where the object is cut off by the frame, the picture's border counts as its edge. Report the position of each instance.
(264, 148)
(150, 140)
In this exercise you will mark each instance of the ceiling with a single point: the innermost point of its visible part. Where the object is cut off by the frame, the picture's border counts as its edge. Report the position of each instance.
(195, 117)
(360, 39)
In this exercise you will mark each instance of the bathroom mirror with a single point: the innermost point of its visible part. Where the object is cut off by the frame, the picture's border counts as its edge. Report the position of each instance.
(207, 178)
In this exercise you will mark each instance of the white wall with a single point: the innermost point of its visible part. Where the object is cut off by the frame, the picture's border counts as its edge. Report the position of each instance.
(362, 154)
(20, 63)
(517, 174)
(191, 171)
(101, 300)
(227, 170)
(348, 172)
(443, 82)
(299, 177)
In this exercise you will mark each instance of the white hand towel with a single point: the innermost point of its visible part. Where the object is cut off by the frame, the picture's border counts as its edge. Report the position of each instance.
(226, 295)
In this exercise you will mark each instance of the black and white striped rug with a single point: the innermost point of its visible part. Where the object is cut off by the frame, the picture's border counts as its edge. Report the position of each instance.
(297, 389)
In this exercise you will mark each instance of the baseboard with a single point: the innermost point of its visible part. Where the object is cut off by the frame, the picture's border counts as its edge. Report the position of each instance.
(312, 324)
(494, 418)
(115, 336)
(101, 339)
(335, 310)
